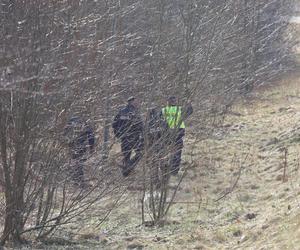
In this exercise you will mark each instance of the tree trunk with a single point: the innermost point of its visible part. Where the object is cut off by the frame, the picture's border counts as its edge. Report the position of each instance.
(13, 225)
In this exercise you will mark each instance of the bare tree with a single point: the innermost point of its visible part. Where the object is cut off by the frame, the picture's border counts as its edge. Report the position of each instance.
(86, 57)
(210, 52)
(40, 82)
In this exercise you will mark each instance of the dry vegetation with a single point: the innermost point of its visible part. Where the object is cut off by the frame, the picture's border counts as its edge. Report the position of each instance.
(241, 153)
(260, 212)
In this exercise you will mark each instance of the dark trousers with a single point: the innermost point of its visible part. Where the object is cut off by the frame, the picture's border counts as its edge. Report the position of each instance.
(77, 167)
(156, 146)
(176, 142)
(128, 145)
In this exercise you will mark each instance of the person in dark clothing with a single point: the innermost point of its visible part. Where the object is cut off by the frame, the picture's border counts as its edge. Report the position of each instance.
(80, 137)
(128, 127)
(155, 132)
(156, 128)
(175, 115)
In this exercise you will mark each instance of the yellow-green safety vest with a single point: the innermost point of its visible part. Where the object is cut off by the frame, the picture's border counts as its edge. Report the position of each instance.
(173, 116)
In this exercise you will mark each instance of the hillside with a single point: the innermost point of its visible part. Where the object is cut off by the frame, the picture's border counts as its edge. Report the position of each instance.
(243, 192)
(66, 70)
(236, 197)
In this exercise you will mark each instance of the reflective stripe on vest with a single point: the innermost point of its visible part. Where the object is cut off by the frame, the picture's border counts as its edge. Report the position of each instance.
(172, 115)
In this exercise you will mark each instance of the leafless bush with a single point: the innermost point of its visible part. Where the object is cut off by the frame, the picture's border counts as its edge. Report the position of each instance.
(210, 54)
(87, 57)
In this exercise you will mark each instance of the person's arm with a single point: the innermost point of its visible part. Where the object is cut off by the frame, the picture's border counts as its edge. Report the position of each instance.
(116, 125)
(188, 111)
(116, 121)
(91, 138)
(66, 138)
(139, 124)
(163, 121)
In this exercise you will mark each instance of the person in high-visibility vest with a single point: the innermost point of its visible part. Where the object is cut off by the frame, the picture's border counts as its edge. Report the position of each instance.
(175, 115)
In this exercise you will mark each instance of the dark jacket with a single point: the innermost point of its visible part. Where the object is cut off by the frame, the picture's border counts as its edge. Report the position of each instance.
(80, 136)
(128, 123)
(188, 111)
(157, 126)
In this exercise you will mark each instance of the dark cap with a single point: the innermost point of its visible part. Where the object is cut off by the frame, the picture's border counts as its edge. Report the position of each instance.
(131, 98)
(172, 98)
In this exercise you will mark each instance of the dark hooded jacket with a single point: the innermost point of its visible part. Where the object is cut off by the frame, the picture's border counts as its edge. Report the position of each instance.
(128, 123)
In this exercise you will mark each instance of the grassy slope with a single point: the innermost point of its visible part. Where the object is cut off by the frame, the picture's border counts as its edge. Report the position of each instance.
(251, 142)
(268, 124)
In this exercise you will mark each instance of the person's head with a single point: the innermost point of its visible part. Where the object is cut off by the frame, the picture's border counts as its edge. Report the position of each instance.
(172, 101)
(74, 119)
(132, 101)
(153, 113)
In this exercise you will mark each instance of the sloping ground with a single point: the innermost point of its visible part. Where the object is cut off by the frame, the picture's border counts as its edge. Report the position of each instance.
(237, 196)
(262, 211)
(263, 208)
(242, 193)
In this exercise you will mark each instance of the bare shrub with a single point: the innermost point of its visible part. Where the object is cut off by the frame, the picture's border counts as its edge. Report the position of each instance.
(86, 57)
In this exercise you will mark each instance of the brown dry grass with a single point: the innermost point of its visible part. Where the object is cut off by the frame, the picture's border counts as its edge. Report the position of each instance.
(261, 212)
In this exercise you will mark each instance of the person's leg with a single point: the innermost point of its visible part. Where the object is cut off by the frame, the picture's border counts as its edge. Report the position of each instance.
(175, 161)
(126, 147)
(158, 158)
(154, 162)
(164, 165)
(80, 173)
(77, 171)
(138, 147)
(176, 156)
(126, 151)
